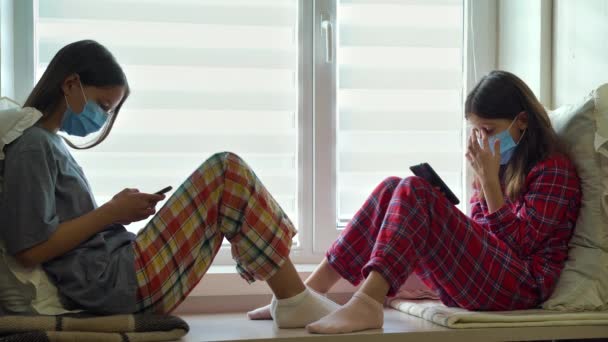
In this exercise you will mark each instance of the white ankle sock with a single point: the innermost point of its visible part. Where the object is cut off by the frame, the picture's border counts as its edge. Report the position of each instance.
(301, 309)
(362, 312)
(262, 313)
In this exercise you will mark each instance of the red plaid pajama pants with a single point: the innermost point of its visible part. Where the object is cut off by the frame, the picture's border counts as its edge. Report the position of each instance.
(407, 226)
(222, 198)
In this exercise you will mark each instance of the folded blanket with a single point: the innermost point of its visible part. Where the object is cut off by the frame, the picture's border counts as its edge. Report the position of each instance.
(87, 328)
(434, 311)
(423, 293)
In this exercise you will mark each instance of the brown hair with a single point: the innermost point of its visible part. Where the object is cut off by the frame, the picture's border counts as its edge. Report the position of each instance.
(94, 65)
(502, 95)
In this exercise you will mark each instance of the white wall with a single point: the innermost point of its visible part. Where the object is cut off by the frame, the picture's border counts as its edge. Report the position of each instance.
(16, 54)
(580, 48)
(480, 37)
(524, 43)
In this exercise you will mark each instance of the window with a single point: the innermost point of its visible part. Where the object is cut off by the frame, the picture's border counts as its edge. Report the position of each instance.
(393, 88)
(206, 76)
(398, 94)
(323, 98)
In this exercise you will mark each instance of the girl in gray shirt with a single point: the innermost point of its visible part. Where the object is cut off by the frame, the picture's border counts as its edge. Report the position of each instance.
(50, 218)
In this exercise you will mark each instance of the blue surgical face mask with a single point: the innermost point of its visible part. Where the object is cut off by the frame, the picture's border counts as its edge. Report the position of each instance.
(507, 144)
(90, 120)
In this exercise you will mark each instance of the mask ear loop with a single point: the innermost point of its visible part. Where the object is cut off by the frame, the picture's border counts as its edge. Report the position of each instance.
(512, 122)
(522, 135)
(525, 129)
(66, 101)
(82, 91)
(83, 96)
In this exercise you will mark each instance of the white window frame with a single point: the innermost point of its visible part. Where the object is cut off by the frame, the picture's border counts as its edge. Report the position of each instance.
(325, 121)
(316, 103)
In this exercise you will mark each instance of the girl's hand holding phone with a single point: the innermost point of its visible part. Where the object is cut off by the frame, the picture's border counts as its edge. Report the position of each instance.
(130, 205)
(164, 190)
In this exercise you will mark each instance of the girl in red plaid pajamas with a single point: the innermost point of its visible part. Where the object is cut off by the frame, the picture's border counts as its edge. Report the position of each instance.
(508, 255)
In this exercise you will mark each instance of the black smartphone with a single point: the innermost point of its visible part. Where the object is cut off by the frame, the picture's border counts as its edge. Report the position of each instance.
(425, 171)
(163, 190)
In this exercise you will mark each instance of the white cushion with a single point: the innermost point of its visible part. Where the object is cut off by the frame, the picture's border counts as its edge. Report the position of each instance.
(15, 296)
(583, 127)
(26, 290)
(22, 290)
(14, 120)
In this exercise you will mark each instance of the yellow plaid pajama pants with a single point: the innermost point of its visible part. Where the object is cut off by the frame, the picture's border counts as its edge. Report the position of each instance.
(222, 198)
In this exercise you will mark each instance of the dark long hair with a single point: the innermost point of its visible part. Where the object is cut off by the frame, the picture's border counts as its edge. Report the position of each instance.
(95, 66)
(502, 95)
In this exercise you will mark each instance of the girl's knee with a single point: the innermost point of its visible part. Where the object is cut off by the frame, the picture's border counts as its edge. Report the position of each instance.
(392, 180)
(221, 162)
(226, 159)
(416, 183)
(388, 183)
(415, 188)
(226, 155)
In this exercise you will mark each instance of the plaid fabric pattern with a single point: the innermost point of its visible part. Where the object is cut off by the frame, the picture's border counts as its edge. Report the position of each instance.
(222, 198)
(507, 260)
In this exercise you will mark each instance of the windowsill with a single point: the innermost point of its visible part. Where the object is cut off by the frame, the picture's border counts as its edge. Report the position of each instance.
(398, 327)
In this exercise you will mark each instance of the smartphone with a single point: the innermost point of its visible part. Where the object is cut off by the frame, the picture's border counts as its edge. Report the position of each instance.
(425, 171)
(163, 190)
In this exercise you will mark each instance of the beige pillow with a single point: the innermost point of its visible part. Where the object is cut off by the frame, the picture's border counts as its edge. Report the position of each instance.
(583, 127)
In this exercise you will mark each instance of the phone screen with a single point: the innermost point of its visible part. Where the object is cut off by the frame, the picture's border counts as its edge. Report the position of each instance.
(425, 171)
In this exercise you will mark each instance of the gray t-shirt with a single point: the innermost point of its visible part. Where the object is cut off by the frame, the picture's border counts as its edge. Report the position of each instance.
(43, 187)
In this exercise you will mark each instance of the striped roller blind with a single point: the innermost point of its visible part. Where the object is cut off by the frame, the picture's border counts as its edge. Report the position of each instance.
(206, 76)
(399, 93)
